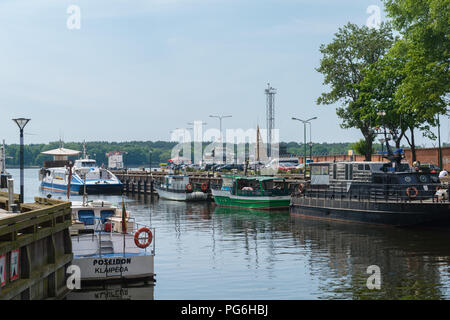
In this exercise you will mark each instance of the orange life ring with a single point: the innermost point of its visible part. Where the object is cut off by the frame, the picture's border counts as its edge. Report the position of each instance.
(204, 186)
(149, 238)
(189, 187)
(412, 196)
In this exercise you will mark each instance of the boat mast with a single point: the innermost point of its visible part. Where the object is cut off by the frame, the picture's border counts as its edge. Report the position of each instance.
(3, 158)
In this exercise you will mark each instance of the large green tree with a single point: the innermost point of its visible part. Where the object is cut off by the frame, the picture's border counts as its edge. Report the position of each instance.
(424, 26)
(344, 64)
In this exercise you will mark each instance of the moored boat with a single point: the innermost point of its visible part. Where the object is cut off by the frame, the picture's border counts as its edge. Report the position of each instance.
(104, 249)
(384, 193)
(252, 192)
(179, 188)
(4, 175)
(79, 177)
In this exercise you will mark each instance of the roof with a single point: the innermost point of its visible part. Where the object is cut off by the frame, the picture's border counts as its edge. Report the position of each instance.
(62, 152)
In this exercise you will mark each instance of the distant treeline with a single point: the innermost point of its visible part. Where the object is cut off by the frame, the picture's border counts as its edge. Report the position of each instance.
(137, 153)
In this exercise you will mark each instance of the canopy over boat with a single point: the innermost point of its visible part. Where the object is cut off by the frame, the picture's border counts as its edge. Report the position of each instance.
(61, 153)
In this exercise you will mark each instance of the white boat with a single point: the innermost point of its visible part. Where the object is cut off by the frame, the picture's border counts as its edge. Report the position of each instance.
(179, 188)
(104, 251)
(4, 175)
(84, 175)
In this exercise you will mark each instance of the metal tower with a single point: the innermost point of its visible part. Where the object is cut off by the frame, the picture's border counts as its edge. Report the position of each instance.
(270, 115)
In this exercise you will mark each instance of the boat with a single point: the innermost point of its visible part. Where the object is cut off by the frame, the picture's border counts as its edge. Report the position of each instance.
(252, 192)
(104, 250)
(4, 175)
(81, 176)
(383, 193)
(179, 188)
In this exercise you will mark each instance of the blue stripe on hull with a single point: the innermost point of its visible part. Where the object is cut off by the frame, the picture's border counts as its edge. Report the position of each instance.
(90, 188)
(60, 187)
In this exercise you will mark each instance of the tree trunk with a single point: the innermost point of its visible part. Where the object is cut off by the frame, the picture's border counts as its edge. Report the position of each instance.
(368, 154)
(412, 144)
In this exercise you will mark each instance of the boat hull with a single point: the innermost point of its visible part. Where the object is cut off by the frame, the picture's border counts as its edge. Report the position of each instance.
(400, 214)
(116, 267)
(182, 196)
(90, 188)
(225, 198)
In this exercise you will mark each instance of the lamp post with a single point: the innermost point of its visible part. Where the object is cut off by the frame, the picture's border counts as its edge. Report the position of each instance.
(21, 123)
(304, 125)
(220, 120)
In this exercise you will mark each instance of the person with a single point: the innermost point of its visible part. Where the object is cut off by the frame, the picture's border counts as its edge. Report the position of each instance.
(443, 174)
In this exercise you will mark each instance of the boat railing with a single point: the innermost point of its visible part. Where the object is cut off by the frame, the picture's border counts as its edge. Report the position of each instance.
(262, 193)
(378, 192)
(103, 232)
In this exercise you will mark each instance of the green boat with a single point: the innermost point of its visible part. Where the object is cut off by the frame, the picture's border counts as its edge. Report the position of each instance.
(264, 193)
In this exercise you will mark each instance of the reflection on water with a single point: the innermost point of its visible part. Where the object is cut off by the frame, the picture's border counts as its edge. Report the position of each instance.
(209, 252)
(414, 263)
(114, 292)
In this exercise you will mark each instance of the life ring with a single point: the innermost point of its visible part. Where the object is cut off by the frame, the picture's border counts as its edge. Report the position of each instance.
(412, 196)
(204, 186)
(149, 238)
(189, 187)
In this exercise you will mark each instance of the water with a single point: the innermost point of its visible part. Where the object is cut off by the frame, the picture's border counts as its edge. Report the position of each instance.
(207, 252)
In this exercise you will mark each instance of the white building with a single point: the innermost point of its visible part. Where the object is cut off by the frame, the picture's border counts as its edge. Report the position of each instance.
(115, 160)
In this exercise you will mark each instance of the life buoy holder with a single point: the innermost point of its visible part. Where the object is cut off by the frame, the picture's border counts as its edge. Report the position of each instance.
(138, 243)
(189, 187)
(204, 186)
(410, 195)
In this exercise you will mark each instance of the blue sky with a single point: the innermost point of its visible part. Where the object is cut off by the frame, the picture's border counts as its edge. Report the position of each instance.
(138, 69)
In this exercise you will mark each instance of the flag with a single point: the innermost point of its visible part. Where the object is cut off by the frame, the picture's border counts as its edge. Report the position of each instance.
(124, 216)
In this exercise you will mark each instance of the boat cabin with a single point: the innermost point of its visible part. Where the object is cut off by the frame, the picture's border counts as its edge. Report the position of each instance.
(176, 182)
(93, 215)
(326, 173)
(243, 185)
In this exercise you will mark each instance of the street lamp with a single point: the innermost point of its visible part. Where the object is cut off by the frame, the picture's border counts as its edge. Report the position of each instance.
(21, 123)
(220, 120)
(304, 125)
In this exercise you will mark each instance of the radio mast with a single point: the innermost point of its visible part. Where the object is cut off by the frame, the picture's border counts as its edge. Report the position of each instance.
(270, 115)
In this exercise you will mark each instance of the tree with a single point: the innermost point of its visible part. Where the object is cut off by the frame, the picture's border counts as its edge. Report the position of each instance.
(425, 28)
(361, 147)
(344, 64)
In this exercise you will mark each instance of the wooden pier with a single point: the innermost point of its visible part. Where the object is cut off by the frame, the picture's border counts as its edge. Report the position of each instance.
(35, 249)
(142, 182)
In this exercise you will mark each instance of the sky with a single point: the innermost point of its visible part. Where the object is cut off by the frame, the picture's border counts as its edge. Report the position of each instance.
(136, 70)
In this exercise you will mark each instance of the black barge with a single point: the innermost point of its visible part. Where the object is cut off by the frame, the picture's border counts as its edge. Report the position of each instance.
(385, 193)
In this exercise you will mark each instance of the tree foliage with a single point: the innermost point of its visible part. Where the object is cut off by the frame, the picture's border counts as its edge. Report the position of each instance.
(344, 64)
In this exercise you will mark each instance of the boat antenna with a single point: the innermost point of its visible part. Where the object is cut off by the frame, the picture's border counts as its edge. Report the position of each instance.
(84, 150)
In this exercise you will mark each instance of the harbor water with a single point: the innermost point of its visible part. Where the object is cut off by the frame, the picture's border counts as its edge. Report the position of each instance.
(208, 252)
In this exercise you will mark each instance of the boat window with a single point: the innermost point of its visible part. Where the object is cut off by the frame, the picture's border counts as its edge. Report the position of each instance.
(334, 171)
(315, 170)
(360, 167)
(86, 216)
(105, 214)
(367, 167)
(88, 164)
(319, 170)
